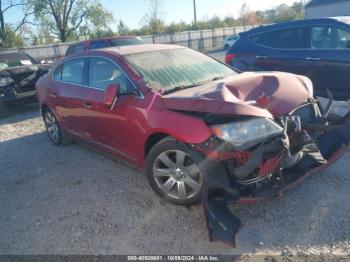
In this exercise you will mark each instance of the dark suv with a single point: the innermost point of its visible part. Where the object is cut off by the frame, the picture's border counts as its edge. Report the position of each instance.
(316, 48)
(102, 43)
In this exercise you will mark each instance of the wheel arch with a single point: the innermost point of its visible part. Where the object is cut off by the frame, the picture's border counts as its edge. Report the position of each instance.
(43, 107)
(154, 139)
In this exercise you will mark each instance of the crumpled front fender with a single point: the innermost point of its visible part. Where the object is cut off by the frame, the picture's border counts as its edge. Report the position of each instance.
(223, 225)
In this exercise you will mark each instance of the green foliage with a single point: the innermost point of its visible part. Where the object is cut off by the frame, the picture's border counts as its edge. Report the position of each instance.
(282, 13)
(122, 28)
(101, 34)
(10, 39)
(66, 20)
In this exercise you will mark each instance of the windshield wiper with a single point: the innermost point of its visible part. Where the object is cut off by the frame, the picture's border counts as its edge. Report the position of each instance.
(178, 88)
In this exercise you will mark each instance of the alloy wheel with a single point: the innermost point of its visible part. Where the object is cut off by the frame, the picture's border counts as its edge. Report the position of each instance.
(52, 126)
(177, 175)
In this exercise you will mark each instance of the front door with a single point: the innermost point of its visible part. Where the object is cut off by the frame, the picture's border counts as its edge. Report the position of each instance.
(328, 60)
(106, 127)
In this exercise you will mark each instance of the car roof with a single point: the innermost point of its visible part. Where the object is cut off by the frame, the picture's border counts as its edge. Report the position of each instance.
(134, 49)
(344, 20)
(104, 38)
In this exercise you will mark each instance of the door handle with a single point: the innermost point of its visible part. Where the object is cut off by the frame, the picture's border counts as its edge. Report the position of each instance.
(261, 57)
(87, 105)
(53, 95)
(313, 58)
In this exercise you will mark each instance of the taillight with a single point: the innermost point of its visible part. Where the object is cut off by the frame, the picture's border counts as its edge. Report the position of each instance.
(229, 57)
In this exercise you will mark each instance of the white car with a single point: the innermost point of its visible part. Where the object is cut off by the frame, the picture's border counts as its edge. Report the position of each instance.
(230, 41)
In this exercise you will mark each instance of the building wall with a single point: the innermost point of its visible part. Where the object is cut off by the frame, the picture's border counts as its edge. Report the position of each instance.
(337, 9)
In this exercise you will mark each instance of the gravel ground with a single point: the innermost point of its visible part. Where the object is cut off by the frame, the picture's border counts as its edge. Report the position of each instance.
(72, 200)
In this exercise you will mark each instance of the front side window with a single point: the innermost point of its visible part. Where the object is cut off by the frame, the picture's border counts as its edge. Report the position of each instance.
(103, 73)
(328, 37)
(57, 75)
(281, 39)
(72, 71)
(170, 69)
(97, 45)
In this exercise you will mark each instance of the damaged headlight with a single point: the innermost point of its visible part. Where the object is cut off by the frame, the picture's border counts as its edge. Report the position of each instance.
(5, 81)
(245, 134)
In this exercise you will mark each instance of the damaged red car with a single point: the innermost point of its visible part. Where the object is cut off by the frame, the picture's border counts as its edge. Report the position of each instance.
(202, 131)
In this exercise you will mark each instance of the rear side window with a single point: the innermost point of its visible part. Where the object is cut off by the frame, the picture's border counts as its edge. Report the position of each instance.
(126, 41)
(328, 37)
(72, 71)
(97, 45)
(75, 49)
(281, 39)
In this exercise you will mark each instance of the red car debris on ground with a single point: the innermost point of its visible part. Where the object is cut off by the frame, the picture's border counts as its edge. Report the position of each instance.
(199, 129)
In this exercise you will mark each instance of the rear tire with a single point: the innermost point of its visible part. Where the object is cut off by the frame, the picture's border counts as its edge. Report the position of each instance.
(53, 129)
(174, 173)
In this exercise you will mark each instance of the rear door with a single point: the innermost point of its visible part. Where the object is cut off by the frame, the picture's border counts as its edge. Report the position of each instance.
(279, 50)
(69, 80)
(328, 60)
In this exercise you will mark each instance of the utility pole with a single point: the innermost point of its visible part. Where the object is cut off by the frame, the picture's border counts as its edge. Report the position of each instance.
(195, 11)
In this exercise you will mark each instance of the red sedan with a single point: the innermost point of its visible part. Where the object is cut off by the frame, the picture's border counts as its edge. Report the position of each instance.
(195, 125)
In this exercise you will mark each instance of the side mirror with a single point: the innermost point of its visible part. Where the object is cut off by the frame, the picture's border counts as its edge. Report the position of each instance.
(111, 95)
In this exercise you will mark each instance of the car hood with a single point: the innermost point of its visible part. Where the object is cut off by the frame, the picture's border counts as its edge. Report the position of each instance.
(24, 77)
(266, 94)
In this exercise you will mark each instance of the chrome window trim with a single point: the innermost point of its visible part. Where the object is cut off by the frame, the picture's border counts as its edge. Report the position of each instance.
(140, 94)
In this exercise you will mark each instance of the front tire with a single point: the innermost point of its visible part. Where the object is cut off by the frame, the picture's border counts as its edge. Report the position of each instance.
(53, 129)
(173, 171)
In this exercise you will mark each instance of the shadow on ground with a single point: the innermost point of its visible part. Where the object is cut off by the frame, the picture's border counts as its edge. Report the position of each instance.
(20, 112)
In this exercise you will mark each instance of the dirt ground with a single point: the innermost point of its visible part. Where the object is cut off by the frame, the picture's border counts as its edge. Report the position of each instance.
(72, 200)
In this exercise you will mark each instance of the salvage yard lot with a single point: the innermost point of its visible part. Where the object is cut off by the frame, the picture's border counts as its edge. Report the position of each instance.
(71, 200)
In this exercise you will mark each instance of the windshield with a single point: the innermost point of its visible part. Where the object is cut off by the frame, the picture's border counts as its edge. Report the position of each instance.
(15, 59)
(176, 68)
(126, 41)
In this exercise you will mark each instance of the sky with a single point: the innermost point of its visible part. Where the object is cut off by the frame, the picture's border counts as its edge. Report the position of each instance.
(132, 11)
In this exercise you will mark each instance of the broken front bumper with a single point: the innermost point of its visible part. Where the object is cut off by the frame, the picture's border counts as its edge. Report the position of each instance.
(221, 191)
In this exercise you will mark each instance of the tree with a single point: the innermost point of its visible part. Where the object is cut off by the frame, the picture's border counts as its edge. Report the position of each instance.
(122, 28)
(9, 36)
(153, 19)
(244, 14)
(65, 19)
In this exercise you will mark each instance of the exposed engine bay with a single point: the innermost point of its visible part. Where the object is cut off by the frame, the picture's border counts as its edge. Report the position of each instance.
(18, 75)
(309, 142)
